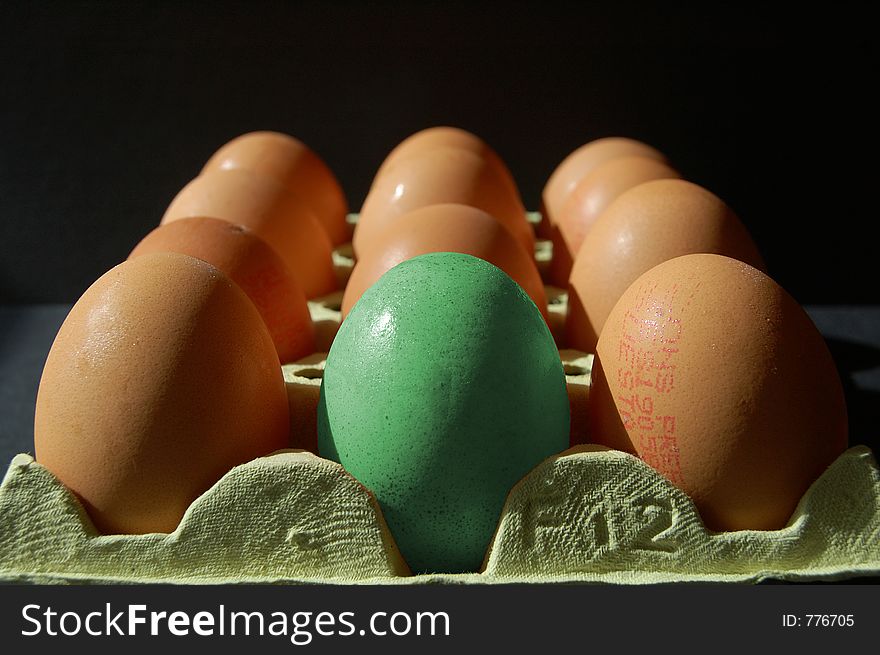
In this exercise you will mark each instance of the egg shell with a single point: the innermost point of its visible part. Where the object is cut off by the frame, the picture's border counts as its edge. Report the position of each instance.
(592, 196)
(442, 389)
(445, 228)
(280, 218)
(253, 266)
(645, 226)
(292, 163)
(712, 374)
(583, 161)
(440, 175)
(453, 137)
(161, 379)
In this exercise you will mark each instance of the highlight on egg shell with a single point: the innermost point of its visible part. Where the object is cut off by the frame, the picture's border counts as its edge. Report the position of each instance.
(643, 227)
(452, 137)
(589, 198)
(275, 214)
(294, 165)
(442, 389)
(445, 228)
(252, 265)
(161, 379)
(440, 175)
(582, 162)
(712, 374)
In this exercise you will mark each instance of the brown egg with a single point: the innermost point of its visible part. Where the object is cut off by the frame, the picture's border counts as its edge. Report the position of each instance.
(445, 228)
(161, 379)
(453, 137)
(712, 374)
(440, 175)
(589, 198)
(581, 162)
(253, 266)
(277, 216)
(646, 225)
(293, 164)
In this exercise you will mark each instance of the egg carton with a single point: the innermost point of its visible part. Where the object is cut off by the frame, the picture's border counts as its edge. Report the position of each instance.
(586, 515)
(589, 514)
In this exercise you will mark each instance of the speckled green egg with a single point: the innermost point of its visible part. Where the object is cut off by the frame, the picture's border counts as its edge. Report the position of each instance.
(442, 389)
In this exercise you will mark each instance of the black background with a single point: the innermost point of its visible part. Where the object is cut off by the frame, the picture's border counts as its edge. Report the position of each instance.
(107, 109)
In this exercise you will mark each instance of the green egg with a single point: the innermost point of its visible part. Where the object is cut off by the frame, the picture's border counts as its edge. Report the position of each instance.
(442, 389)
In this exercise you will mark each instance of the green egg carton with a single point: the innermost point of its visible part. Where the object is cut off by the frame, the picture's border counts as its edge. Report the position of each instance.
(586, 515)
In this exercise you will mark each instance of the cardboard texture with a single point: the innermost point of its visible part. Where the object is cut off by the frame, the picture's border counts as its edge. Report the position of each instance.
(589, 515)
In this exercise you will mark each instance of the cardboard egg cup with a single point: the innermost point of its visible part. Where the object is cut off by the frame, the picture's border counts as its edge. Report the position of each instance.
(588, 514)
